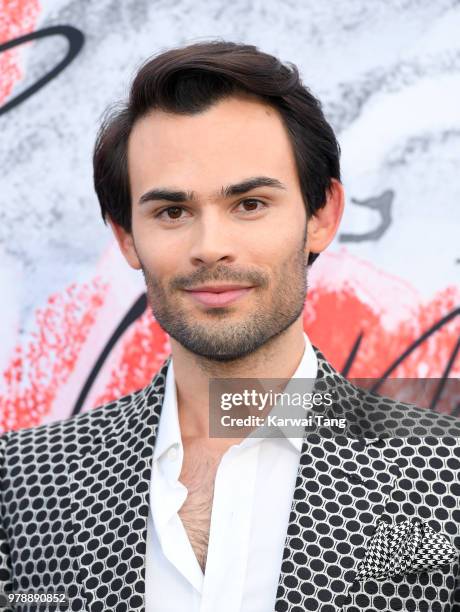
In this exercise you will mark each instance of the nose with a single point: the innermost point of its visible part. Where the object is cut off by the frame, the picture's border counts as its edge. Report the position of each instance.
(212, 240)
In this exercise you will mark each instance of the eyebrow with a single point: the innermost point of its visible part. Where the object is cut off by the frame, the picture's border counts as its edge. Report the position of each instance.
(225, 192)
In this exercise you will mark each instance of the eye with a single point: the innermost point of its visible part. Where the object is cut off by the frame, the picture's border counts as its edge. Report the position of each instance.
(176, 210)
(252, 202)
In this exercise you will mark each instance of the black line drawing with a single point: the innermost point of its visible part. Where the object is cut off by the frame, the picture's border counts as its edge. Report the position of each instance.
(136, 311)
(74, 37)
(383, 204)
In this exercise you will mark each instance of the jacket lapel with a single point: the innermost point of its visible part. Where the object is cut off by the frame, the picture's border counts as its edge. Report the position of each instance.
(109, 481)
(343, 484)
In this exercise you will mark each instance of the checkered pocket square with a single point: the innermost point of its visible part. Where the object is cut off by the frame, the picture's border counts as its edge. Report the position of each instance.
(407, 547)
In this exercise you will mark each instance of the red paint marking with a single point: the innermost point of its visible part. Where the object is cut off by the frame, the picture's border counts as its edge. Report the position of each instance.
(40, 369)
(333, 321)
(144, 350)
(17, 17)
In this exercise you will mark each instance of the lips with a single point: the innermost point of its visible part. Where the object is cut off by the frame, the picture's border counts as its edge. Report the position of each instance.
(217, 297)
(218, 288)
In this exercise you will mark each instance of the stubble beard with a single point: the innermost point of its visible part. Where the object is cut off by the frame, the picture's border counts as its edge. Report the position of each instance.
(218, 334)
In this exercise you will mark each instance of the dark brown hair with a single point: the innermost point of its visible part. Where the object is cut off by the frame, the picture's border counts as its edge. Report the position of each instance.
(189, 80)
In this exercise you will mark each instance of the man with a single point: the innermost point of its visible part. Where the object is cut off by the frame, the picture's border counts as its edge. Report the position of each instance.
(220, 180)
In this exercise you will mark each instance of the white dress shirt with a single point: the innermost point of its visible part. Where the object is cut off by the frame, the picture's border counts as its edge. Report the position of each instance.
(253, 493)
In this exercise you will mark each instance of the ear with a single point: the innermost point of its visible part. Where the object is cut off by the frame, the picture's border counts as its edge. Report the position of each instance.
(126, 244)
(323, 225)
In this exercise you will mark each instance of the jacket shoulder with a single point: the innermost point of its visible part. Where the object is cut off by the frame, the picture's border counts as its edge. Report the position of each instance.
(83, 422)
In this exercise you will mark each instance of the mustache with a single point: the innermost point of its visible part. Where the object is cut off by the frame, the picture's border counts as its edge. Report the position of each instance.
(255, 278)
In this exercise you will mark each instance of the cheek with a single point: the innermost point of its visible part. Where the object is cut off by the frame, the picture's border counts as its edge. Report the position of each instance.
(150, 256)
(154, 255)
(281, 245)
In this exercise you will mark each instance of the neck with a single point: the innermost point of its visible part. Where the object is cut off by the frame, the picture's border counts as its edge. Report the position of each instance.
(277, 358)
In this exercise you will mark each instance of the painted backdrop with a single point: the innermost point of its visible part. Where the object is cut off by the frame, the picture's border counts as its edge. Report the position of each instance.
(383, 300)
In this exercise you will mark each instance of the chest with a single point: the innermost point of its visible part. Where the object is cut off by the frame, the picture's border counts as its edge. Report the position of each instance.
(198, 474)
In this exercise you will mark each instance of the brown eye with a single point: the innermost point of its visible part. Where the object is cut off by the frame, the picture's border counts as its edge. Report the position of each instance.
(253, 204)
(176, 212)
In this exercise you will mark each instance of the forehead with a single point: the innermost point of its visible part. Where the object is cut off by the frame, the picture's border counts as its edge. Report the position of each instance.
(236, 137)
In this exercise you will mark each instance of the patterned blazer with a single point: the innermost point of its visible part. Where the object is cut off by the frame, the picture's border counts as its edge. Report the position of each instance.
(374, 522)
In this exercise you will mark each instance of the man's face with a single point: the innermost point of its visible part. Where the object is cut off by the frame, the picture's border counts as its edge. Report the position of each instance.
(253, 238)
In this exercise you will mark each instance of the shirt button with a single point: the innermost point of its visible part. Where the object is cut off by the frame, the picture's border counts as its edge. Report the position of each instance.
(172, 453)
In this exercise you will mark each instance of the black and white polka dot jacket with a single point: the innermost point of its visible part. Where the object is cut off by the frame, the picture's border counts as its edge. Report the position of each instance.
(374, 523)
